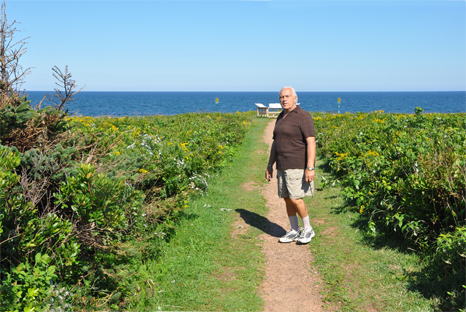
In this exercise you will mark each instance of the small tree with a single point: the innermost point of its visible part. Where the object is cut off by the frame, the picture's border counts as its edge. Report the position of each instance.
(20, 125)
(12, 73)
(62, 97)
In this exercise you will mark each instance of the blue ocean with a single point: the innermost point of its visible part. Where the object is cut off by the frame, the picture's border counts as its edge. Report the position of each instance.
(171, 103)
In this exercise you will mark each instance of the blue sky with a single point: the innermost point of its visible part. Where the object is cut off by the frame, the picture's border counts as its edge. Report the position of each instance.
(245, 45)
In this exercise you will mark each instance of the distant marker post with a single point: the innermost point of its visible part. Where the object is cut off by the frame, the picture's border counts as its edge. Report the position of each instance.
(339, 102)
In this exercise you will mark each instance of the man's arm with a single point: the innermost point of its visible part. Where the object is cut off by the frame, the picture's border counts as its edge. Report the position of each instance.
(269, 170)
(311, 158)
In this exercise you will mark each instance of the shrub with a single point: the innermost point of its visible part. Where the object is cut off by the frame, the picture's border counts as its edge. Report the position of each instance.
(78, 201)
(406, 175)
(406, 171)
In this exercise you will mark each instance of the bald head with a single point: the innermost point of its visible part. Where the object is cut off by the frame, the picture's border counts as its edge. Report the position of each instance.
(292, 90)
(288, 99)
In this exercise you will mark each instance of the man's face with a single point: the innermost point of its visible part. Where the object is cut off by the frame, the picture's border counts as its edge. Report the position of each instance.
(287, 100)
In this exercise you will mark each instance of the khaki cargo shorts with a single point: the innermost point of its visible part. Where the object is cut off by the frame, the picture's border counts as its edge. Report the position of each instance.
(292, 183)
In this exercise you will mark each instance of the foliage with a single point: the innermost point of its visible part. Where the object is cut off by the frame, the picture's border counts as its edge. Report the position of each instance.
(361, 272)
(405, 170)
(26, 128)
(27, 284)
(405, 174)
(451, 245)
(165, 155)
(79, 201)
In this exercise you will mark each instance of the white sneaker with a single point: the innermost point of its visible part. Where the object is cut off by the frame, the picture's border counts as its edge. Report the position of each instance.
(290, 236)
(306, 236)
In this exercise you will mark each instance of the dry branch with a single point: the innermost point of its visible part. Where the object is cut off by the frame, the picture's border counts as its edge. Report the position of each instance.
(62, 97)
(12, 73)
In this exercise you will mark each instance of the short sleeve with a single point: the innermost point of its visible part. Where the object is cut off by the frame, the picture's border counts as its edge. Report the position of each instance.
(307, 126)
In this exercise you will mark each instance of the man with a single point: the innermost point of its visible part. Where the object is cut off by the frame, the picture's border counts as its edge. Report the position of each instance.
(294, 150)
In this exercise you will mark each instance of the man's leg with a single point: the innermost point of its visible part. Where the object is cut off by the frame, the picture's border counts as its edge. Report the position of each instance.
(291, 211)
(298, 206)
(294, 233)
(294, 206)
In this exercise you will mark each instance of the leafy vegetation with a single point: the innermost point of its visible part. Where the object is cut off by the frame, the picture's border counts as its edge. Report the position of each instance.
(71, 207)
(405, 175)
(361, 272)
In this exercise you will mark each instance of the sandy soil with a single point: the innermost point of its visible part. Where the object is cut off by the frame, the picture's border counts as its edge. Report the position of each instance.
(291, 283)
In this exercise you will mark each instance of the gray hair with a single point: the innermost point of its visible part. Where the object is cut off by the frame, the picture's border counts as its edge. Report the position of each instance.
(293, 90)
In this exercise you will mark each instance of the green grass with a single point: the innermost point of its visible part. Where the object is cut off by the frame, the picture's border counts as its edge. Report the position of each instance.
(202, 267)
(359, 274)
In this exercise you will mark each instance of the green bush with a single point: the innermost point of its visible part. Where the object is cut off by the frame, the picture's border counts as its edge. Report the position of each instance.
(406, 175)
(81, 205)
(406, 171)
(27, 286)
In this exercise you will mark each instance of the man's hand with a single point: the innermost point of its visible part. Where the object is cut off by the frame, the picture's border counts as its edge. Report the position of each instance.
(269, 174)
(310, 175)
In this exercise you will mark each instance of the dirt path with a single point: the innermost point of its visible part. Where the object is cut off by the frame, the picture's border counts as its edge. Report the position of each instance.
(291, 283)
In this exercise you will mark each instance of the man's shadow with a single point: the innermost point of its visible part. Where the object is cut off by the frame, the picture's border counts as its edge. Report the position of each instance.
(261, 223)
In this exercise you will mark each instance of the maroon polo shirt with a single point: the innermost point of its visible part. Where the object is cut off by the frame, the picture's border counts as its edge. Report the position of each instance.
(290, 135)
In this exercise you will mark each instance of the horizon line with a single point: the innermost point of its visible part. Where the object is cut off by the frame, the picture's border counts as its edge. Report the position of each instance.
(25, 91)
